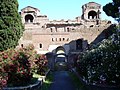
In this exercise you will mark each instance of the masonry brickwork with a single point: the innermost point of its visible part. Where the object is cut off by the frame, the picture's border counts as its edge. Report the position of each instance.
(73, 35)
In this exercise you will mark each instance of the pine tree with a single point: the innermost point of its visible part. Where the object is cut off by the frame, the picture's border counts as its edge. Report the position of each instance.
(11, 27)
(111, 9)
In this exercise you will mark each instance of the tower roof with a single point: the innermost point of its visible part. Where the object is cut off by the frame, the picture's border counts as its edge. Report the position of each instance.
(91, 3)
(30, 7)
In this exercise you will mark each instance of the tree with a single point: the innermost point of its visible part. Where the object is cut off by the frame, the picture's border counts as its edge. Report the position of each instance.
(11, 27)
(111, 9)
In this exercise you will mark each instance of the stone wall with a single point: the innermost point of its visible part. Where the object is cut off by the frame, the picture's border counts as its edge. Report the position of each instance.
(46, 35)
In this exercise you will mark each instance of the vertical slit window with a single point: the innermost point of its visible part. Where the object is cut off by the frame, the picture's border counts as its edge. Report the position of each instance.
(40, 45)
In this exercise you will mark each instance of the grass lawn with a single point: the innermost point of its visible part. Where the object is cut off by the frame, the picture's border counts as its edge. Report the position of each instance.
(47, 82)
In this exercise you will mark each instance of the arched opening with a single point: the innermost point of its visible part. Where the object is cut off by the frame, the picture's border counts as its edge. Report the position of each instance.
(29, 18)
(61, 59)
(60, 50)
(68, 29)
(60, 54)
(92, 15)
(40, 45)
(22, 45)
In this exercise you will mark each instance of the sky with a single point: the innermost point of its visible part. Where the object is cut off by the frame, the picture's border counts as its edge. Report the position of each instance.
(62, 9)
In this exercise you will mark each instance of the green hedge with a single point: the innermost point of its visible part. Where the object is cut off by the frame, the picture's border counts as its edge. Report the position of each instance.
(18, 66)
(102, 64)
(11, 28)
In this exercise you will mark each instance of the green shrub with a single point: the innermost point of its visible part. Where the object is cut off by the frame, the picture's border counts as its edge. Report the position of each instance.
(41, 64)
(102, 64)
(18, 66)
(11, 28)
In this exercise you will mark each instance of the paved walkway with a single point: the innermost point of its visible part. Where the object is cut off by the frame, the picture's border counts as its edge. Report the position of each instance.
(62, 81)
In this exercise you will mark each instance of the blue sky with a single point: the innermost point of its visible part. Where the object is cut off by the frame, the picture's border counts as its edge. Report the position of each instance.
(62, 9)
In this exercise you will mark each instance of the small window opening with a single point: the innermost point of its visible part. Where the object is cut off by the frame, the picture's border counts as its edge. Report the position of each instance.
(22, 45)
(68, 29)
(40, 45)
(59, 39)
(67, 39)
(63, 39)
(51, 29)
(52, 39)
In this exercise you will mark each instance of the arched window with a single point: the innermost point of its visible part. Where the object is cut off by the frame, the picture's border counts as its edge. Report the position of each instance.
(63, 39)
(68, 29)
(40, 45)
(67, 39)
(22, 45)
(52, 39)
(29, 18)
(59, 39)
(92, 15)
(51, 29)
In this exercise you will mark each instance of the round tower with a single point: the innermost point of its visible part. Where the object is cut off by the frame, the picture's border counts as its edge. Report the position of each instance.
(29, 14)
(91, 11)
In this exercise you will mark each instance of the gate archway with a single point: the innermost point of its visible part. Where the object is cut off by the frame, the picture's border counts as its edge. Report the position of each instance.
(60, 50)
(60, 59)
(60, 54)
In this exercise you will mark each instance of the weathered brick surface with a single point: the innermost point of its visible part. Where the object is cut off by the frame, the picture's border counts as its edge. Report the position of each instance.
(39, 30)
